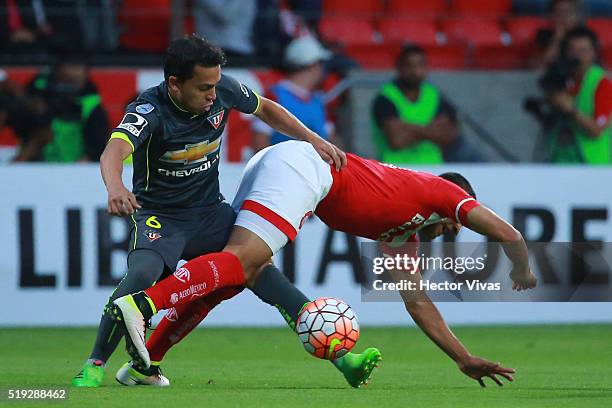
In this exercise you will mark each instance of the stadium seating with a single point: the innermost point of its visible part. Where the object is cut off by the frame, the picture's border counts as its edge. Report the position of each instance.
(421, 32)
(482, 8)
(497, 57)
(348, 30)
(362, 8)
(522, 30)
(603, 29)
(416, 8)
(145, 29)
(473, 31)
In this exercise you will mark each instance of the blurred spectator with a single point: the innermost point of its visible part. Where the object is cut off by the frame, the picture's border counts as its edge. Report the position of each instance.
(26, 117)
(227, 24)
(23, 25)
(79, 121)
(584, 99)
(309, 11)
(298, 92)
(412, 122)
(565, 15)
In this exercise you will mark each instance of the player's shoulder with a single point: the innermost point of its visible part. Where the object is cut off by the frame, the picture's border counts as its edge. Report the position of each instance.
(231, 85)
(148, 102)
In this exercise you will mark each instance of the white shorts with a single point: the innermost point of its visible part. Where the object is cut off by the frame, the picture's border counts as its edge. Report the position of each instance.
(281, 187)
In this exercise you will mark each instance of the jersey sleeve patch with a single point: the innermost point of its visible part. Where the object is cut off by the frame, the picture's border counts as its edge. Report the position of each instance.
(144, 109)
(133, 123)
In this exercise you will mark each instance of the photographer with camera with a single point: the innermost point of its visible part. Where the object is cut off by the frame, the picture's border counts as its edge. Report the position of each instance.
(579, 94)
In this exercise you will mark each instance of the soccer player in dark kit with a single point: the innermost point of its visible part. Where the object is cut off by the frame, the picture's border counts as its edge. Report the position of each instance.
(174, 133)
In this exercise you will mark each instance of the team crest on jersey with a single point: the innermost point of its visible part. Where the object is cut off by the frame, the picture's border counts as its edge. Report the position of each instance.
(216, 118)
(152, 235)
(192, 153)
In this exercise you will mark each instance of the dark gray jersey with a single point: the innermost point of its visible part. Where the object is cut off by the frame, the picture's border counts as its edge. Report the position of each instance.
(176, 153)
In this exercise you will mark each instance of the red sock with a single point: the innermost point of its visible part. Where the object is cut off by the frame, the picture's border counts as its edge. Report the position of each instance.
(181, 320)
(197, 278)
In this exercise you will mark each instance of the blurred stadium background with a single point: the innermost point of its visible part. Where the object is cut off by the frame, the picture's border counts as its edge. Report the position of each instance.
(62, 252)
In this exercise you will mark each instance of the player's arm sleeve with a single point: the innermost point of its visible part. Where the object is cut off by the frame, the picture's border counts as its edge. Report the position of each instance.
(383, 110)
(138, 124)
(245, 99)
(451, 201)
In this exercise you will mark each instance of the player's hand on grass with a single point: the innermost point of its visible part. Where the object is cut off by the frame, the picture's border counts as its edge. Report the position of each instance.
(121, 201)
(479, 368)
(329, 152)
(523, 279)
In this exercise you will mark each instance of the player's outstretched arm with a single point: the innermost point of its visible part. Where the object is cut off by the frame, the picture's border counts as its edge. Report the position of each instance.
(486, 222)
(427, 316)
(121, 201)
(279, 118)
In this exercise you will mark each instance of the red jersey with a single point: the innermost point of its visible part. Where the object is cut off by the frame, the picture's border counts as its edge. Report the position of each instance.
(386, 203)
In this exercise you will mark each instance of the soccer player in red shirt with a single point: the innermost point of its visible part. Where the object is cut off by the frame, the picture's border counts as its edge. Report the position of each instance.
(283, 185)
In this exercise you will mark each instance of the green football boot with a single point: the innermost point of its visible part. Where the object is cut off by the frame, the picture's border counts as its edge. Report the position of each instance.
(90, 376)
(357, 368)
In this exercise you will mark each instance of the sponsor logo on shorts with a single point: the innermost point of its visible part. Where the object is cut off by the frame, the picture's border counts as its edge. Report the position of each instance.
(133, 123)
(182, 274)
(152, 235)
(192, 153)
(216, 119)
(171, 315)
(215, 273)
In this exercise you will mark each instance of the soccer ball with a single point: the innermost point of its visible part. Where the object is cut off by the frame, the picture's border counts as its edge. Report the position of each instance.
(328, 328)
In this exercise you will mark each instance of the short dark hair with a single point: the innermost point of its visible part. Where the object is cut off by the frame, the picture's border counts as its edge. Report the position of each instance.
(579, 32)
(409, 50)
(459, 180)
(185, 53)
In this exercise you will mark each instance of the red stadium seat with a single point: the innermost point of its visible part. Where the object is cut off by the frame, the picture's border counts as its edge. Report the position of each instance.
(411, 8)
(473, 31)
(606, 57)
(523, 29)
(344, 30)
(482, 8)
(145, 27)
(498, 57)
(447, 57)
(363, 8)
(421, 32)
(374, 56)
(603, 29)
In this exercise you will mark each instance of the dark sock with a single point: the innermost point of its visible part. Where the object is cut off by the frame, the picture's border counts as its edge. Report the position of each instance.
(144, 268)
(143, 304)
(273, 287)
(109, 336)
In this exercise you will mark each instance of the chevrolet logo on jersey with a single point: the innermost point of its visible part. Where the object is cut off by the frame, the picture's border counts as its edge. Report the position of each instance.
(192, 153)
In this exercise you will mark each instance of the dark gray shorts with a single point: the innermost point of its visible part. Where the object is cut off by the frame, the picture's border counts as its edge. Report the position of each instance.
(182, 233)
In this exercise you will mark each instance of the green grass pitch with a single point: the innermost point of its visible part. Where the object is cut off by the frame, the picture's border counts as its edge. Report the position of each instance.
(557, 366)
